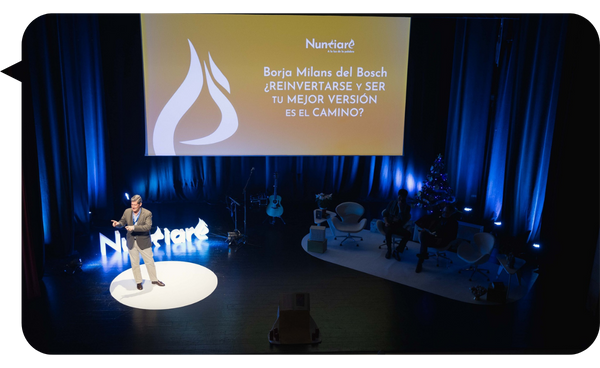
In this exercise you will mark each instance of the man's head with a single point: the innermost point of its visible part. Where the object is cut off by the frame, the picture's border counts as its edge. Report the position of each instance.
(402, 194)
(136, 203)
(448, 210)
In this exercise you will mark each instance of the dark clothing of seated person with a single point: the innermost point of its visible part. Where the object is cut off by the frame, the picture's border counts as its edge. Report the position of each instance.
(437, 232)
(395, 216)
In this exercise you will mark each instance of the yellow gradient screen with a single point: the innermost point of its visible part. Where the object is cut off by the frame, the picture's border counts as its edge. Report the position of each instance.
(253, 85)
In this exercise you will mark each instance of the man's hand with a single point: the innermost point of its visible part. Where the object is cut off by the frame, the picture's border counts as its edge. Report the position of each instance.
(117, 223)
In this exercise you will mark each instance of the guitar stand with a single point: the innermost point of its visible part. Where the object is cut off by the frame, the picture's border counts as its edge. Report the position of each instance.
(273, 220)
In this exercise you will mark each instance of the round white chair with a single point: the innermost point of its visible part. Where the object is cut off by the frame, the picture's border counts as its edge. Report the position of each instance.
(476, 253)
(349, 220)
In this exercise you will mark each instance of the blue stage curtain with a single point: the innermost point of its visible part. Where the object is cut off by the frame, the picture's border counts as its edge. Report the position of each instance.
(175, 179)
(466, 140)
(504, 97)
(62, 56)
(494, 122)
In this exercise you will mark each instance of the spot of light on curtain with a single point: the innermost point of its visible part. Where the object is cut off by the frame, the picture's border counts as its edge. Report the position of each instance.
(384, 177)
(397, 180)
(410, 183)
(385, 169)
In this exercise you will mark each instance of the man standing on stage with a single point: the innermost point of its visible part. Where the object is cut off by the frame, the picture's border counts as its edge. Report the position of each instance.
(138, 222)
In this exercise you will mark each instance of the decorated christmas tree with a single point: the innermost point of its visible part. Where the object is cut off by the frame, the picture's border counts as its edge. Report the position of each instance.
(435, 191)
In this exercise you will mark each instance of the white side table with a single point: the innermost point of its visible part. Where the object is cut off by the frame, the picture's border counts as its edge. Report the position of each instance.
(322, 220)
(503, 259)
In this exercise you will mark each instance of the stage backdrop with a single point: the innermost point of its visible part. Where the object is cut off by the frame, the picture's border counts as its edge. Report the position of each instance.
(232, 85)
(84, 120)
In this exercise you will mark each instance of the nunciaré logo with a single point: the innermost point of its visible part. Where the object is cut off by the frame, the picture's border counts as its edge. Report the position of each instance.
(333, 46)
(183, 99)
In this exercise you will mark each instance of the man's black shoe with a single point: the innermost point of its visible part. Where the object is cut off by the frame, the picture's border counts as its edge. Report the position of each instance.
(419, 267)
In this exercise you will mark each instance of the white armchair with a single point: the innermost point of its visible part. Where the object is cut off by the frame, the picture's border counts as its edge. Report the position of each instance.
(349, 220)
(476, 253)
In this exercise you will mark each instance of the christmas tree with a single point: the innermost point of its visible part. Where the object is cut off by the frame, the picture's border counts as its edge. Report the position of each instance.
(435, 192)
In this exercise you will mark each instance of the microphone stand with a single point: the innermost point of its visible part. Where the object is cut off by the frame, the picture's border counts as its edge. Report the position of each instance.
(234, 235)
(244, 236)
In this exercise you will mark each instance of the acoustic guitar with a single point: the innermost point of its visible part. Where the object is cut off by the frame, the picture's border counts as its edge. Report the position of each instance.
(274, 208)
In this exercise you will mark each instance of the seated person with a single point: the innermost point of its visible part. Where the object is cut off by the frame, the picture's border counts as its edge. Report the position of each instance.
(437, 232)
(395, 216)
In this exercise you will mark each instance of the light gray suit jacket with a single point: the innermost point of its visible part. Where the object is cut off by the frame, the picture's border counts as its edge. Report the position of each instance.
(141, 231)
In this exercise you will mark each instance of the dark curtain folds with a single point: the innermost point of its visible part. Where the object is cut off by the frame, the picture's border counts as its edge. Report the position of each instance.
(29, 271)
(501, 122)
(63, 59)
(468, 116)
(533, 106)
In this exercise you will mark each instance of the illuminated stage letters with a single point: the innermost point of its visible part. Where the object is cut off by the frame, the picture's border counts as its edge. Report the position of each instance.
(177, 236)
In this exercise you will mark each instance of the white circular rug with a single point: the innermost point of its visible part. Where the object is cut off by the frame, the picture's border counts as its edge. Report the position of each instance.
(444, 280)
(185, 283)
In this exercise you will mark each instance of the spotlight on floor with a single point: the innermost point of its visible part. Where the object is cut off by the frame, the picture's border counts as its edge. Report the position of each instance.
(468, 209)
(497, 223)
(536, 245)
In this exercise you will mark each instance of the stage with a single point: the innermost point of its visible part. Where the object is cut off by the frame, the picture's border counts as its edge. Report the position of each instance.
(356, 312)
(496, 103)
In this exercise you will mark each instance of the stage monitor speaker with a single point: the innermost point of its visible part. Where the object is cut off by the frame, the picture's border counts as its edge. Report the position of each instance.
(294, 325)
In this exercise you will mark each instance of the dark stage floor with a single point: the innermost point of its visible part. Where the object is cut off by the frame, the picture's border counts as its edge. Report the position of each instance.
(356, 312)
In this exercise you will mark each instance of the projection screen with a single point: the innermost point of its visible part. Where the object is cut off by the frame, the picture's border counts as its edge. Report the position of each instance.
(253, 85)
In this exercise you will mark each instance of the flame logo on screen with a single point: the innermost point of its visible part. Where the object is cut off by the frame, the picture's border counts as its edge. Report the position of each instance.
(184, 98)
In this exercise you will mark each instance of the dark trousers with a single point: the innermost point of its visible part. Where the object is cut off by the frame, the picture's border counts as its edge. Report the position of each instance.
(395, 228)
(428, 240)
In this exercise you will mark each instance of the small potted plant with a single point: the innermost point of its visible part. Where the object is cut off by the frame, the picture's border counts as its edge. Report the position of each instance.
(478, 291)
(323, 200)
